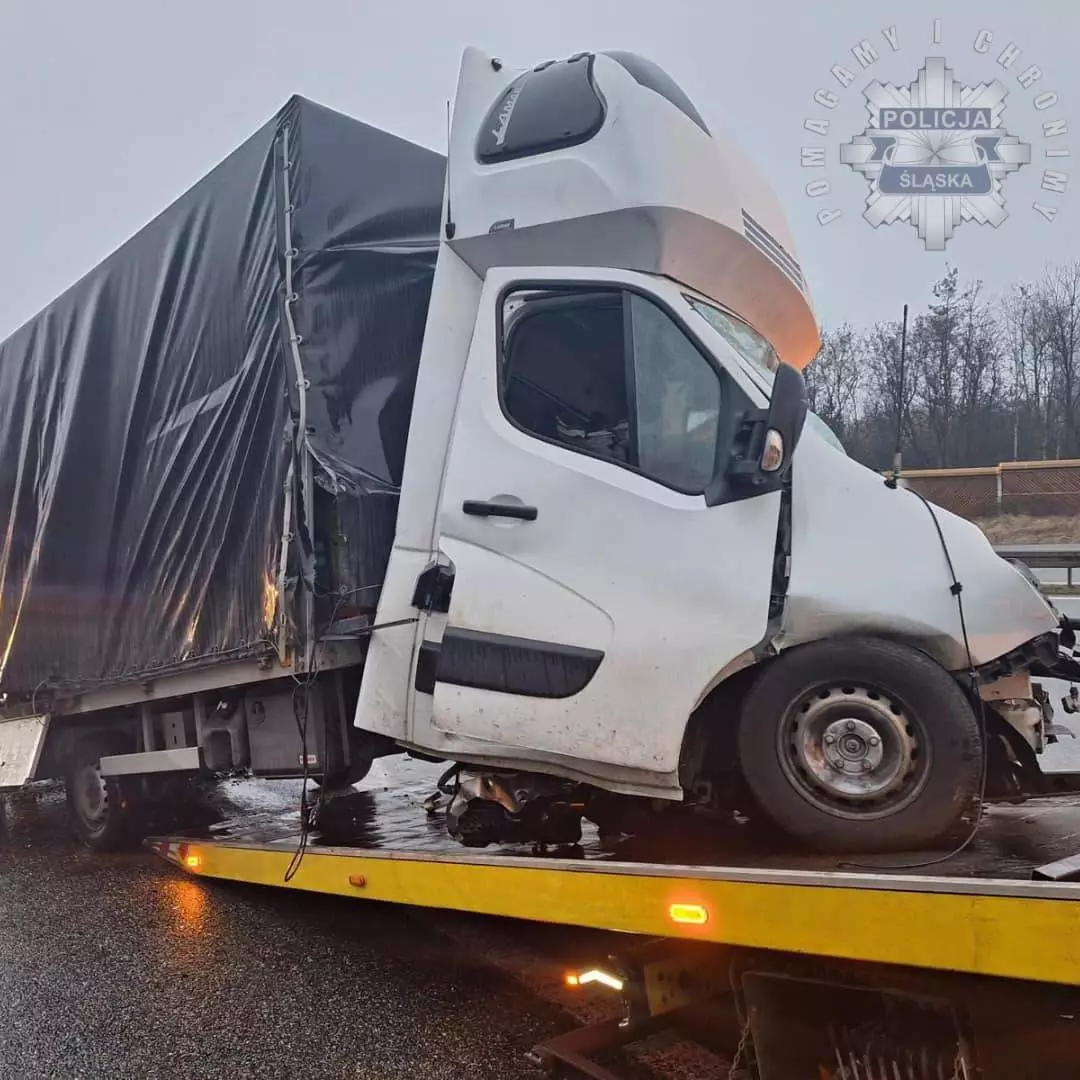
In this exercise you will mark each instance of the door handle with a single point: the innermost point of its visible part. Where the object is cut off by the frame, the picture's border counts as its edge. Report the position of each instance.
(487, 508)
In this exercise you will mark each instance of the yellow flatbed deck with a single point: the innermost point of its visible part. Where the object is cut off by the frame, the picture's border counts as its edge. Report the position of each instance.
(976, 913)
(1012, 929)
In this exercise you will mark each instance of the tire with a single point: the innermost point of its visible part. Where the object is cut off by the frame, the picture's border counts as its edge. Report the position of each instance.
(806, 747)
(362, 754)
(181, 803)
(100, 811)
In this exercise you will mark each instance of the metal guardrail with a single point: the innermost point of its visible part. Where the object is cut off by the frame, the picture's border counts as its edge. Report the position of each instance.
(1044, 556)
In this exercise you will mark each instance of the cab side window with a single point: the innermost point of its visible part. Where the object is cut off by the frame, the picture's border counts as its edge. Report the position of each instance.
(564, 373)
(609, 373)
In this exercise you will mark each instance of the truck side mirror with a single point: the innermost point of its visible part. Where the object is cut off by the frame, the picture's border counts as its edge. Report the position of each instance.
(766, 439)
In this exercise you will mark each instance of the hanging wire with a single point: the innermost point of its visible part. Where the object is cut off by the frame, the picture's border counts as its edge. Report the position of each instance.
(957, 589)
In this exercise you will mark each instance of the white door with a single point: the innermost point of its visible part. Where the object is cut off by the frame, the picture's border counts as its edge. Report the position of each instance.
(596, 593)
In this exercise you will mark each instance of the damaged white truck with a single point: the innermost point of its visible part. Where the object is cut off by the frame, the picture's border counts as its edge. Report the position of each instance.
(503, 460)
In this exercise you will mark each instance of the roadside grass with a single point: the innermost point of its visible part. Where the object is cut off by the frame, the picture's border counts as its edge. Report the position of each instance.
(1026, 529)
(1023, 529)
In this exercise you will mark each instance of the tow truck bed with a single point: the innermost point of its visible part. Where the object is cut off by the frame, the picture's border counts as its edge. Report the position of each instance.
(963, 928)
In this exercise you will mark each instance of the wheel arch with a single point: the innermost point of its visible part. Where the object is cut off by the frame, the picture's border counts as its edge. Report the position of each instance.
(711, 729)
(708, 744)
(66, 732)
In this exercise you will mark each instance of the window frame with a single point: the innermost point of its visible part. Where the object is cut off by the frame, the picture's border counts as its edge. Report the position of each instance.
(728, 385)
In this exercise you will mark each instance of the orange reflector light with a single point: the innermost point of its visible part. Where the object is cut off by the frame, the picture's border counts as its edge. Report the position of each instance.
(689, 914)
(192, 862)
(572, 980)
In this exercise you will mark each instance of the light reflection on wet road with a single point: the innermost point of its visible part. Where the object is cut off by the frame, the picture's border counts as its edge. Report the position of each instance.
(118, 967)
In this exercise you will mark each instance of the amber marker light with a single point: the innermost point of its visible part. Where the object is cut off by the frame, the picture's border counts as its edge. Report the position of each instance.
(688, 914)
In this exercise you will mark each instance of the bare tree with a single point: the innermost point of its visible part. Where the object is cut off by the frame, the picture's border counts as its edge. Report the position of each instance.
(834, 381)
(986, 379)
(1024, 334)
(1061, 311)
(981, 405)
(933, 355)
(893, 385)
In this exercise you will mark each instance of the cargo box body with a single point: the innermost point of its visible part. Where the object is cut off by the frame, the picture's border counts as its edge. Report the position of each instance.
(153, 506)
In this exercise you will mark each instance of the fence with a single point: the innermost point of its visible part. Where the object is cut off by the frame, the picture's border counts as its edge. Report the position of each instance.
(1041, 488)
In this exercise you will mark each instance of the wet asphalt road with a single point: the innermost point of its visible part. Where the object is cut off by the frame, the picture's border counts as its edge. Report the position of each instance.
(118, 966)
(121, 967)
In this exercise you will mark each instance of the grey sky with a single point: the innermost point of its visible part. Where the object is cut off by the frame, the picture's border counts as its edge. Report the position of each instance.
(111, 109)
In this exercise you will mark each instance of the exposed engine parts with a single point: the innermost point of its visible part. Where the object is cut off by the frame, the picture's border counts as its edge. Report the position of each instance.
(514, 808)
(494, 807)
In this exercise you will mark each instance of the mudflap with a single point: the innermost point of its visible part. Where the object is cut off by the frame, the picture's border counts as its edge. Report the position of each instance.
(21, 743)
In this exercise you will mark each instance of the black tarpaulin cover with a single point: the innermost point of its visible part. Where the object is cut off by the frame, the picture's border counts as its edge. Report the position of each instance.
(148, 417)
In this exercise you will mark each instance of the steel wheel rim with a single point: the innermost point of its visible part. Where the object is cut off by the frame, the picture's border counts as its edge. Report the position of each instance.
(91, 796)
(853, 751)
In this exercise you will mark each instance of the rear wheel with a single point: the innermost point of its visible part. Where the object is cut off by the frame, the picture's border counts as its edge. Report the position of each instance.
(861, 745)
(97, 805)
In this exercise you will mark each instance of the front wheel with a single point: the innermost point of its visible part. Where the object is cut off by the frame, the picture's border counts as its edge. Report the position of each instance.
(861, 745)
